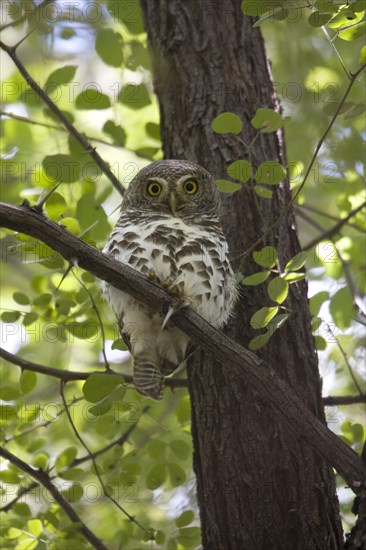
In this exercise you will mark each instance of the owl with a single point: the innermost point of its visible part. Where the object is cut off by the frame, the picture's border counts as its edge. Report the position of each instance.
(169, 230)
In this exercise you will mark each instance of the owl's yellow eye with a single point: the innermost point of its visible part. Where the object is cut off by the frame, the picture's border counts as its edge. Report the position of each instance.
(190, 187)
(154, 189)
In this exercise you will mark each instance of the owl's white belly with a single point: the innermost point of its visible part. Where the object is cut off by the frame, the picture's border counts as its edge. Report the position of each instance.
(192, 258)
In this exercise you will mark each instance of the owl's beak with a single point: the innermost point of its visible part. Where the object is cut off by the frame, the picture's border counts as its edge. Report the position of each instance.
(173, 203)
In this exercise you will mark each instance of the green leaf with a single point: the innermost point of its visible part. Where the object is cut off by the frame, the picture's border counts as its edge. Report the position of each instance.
(21, 298)
(98, 386)
(317, 300)
(60, 76)
(277, 322)
(185, 518)
(180, 448)
(72, 474)
(119, 344)
(35, 527)
(177, 475)
(9, 393)
(21, 509)
(10, 316)
(109, 47)
(8, 476)
(227, 123)
(266, 257)
(263, 192)
(183, 410)
(73, 493)
(189, 537)
(294, 277)
(342, 308)
(43, 300)
(91, 98)
(240, 170)
(261, 318)
(259, 341)
(40, 460)
(320, 342)
(270, 172)
(278, 290)
(84, 331)
(296, 262)
(134, 96)
(225, 186)
(353, 33)
(28, 381)
(129, 13)
(116, 132)
(255, 8)
(362, 58)
(61, 168)
(317, 19)
(71, 224)
(153, 130)
(156, 449)
(65, 458)
(267, 120)
(256, 279)
(55, 206)
(355, 111)
(156, 477)
(315, 323)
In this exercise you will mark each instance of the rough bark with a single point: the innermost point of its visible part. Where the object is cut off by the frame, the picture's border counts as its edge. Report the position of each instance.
(257, 485)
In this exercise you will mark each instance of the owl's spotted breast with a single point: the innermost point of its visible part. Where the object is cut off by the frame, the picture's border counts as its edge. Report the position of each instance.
(173, 236)
(192, 258)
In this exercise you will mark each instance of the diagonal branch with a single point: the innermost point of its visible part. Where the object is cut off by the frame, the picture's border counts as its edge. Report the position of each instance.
(243, 363)
(44, 479)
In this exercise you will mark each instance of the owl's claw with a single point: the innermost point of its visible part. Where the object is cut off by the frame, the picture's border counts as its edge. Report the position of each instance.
(152, 275)
(174, 309)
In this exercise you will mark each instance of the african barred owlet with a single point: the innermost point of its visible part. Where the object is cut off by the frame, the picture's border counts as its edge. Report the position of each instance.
(169, 230)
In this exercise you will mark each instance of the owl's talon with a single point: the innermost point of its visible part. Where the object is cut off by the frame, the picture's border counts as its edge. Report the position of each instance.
(167, 282)
(152, 275)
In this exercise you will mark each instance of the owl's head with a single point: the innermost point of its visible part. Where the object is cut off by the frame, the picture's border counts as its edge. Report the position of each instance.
(176, 187)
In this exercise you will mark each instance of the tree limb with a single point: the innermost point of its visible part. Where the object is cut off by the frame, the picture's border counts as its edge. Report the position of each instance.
(69, 376)
(45, 480)
(243, 363)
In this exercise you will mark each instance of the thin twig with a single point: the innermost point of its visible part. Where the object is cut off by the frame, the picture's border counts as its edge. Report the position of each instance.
(44, 479)
(69, 376)
(57, 128)
(328, 233)
(299, 207)
(94, 306)
(92, 458)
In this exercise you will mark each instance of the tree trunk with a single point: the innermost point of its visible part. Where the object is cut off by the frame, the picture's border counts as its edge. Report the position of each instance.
(257, 486)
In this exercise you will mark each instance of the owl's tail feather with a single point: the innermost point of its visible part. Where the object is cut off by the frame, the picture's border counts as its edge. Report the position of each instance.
(148, 379)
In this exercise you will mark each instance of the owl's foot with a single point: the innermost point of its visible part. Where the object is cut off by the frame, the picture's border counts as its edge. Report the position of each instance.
(152, 275)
